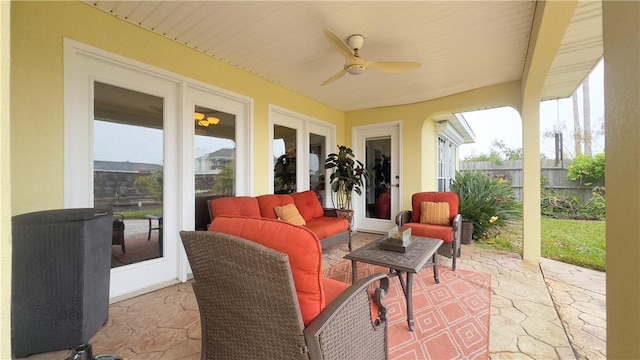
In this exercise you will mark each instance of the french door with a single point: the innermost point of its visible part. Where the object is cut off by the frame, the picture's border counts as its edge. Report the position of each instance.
(136, 142)
(379, 149)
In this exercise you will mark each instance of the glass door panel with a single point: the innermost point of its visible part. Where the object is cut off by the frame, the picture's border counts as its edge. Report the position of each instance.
(317, 154)
(215, 159)
(128, 169)
(378, 192)
(285, 162)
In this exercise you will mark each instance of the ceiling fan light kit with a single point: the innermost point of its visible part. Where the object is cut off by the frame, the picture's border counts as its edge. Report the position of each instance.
(355, 41)
(356, 69)
(354, 64)
(200, 119)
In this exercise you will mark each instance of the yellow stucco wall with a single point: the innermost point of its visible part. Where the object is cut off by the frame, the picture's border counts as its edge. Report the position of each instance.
(37, 32)
(419, 167)
(5, 187)
(621, 34)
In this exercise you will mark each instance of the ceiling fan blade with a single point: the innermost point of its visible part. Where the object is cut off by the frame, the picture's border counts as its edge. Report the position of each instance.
(335, 77)
(339, 45)
(393, 66)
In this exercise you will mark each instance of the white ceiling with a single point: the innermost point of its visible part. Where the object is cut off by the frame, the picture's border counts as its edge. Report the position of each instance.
(461, 45)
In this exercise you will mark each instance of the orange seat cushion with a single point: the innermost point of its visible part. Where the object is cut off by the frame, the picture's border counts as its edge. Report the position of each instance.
(327, 226)
(234, 206)
(445, 233)
(308, 204)
(299, 243)
(267, 204)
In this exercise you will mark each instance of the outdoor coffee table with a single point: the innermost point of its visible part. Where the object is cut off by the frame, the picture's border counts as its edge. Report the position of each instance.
(420, 253)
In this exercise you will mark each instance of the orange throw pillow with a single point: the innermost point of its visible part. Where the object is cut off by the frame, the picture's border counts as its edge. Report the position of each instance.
(434, 213)
(290, 214)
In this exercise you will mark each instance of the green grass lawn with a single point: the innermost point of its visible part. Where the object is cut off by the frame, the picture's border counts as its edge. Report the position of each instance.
(578, 242)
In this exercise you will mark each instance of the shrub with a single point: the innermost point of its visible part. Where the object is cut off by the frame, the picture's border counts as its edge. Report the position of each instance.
(589, 170)
(595, 208)
(489, 203)
(568, 206)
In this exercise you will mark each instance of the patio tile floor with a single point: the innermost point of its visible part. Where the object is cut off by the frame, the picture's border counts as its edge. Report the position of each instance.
(551, 311)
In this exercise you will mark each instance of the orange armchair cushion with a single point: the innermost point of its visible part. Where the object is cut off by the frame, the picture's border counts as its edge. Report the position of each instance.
(434, 196)
(299, 243)
(432, 231)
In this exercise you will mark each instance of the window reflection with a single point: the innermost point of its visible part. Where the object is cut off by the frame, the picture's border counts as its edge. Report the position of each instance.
(379, 193)
(128, 169)
(284, 151)
(215, 159)
(317, 155)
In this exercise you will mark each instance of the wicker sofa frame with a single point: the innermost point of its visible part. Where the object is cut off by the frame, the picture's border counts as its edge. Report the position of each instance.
(249, 309)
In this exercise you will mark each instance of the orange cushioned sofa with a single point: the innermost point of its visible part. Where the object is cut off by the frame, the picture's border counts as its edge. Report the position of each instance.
(324, 223)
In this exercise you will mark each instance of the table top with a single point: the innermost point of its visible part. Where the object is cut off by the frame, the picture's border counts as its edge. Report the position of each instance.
(418, 253)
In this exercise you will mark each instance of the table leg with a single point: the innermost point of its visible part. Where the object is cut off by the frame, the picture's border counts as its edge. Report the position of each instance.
(436, 277)
(149, 236)
(160, 237)
(409, 297)
(354, 271)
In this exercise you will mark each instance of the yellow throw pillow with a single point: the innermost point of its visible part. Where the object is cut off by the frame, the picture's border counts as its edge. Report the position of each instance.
(434, 213)
(290, 214)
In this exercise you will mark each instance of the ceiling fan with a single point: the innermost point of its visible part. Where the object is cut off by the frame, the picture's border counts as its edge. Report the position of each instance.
(355, 65)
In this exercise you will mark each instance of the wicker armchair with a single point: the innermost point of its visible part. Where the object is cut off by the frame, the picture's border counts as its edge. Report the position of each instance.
(249, 308)
(449, 233)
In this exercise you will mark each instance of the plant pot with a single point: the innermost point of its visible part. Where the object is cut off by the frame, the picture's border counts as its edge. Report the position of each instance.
(466, 235)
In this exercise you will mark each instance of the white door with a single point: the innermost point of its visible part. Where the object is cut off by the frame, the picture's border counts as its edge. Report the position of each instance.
(122, 136)
(378, 148)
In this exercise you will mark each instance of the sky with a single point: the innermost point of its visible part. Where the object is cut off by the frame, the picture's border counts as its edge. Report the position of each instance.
(505, 124)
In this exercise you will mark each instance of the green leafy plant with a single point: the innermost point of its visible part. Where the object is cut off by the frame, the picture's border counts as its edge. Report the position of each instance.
(225, 181)
(595, 208)
(489, 203)
(150, 185)
(347, 175)
(589, 170)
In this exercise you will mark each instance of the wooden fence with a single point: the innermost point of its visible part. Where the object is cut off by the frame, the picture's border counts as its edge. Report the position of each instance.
(555, 175)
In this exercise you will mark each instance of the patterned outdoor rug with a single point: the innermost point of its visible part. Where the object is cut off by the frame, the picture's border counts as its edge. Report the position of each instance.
(451, 318)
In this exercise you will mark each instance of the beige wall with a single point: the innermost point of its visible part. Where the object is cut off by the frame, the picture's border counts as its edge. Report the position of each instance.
(5, 187)
(38, 30)
(621, 29)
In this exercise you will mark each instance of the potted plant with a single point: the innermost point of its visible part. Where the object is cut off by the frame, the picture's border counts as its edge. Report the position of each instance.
(347, 175)
(488, 203)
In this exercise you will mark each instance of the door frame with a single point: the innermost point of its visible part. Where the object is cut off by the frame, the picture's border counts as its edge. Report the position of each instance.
(359, 135)
(80, 63)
